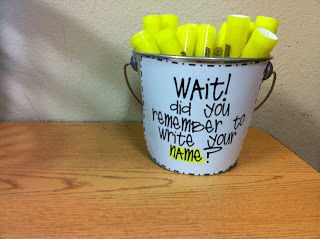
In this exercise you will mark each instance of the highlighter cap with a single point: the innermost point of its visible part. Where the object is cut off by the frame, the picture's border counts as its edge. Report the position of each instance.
(239, 20)
(268, 23)
(194, 25)
(165, 35)
(144, 42)
(207, 29)
(260, 44)
(251, 28)
(236, 35)
(187, 37)
(168, 42)
(169, 20)
(152, 23)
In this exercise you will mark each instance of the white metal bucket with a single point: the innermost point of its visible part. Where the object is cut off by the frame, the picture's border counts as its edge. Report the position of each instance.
(196, 111)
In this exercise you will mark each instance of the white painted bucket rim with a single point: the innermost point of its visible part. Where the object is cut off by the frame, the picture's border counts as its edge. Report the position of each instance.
(202, 59)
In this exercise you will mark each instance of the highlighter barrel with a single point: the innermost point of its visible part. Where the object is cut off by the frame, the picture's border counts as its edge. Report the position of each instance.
(152, 23)
(168, 42)
(251, 28)
(219, 42)
(187, 37)
(144, 42)
(268, 23)
(205, 41)
(260, 44)
(169, 20)
(236, 35)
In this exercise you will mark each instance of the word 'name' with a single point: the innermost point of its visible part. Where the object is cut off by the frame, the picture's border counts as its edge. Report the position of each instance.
(186, 155)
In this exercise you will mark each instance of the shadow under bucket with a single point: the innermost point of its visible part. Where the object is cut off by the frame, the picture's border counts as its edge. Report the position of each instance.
(196, 111)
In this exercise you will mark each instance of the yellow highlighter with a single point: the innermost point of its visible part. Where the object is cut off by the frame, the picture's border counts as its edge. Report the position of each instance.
(194, 25)
(169, 20)
(236, 35)
(187, 38)
(260, 44)
(168, 42)
(219, 42)
(251, 28)
(152, 23)
(205, 41)
(144, 42)
(268, 23)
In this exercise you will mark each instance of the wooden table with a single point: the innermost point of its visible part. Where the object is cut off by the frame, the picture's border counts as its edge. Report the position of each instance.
(96, 180)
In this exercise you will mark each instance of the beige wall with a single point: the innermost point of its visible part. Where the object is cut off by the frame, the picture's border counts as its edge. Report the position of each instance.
(63, 60)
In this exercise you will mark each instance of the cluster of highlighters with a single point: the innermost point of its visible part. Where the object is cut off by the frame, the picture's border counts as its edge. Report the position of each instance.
(239, 37)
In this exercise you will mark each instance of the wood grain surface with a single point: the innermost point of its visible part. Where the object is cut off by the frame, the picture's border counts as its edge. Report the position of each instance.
(96, 180)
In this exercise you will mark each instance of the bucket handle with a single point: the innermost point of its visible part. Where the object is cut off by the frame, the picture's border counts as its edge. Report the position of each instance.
(267, 73)
(134, 65)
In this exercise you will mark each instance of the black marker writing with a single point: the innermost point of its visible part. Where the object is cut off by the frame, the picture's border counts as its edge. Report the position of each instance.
(216, 142)
(170, 136)
(183, 89)
(217, 109)
(238, 121)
